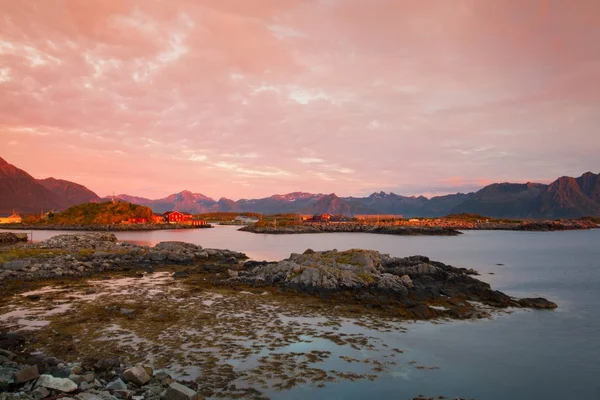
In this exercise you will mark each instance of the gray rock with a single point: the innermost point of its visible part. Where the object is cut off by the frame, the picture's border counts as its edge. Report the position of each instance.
(177, 391)
(89, 377)
(27, 374)
(8, 354)
(87, 396)
(16, 265)
(7, 376)
(158, 256)
(177, 246)
(117, 384)
(88, 385)
(61, 384)
(136, 375)
(123, 394)
(40, 393)
(232, 274)
(76, 378)
(127, 311)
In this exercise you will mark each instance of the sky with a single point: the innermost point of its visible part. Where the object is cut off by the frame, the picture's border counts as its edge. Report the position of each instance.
(244, 99)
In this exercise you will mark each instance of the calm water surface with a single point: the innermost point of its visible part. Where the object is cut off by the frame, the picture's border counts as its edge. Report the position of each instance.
(523, 355)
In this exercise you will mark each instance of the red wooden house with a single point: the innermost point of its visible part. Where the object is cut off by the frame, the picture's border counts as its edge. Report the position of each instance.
(137, 220)
(176, 217)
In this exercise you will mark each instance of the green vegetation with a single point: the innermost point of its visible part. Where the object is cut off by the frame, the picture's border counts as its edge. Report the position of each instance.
(17, 254)
(99, 214)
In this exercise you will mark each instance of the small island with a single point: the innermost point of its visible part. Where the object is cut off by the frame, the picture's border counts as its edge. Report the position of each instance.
(112, 216)
(450, 225)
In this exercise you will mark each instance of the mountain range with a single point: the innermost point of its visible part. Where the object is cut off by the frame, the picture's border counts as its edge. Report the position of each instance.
(564, 198)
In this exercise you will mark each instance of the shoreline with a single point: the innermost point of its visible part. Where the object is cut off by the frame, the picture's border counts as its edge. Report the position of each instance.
(89, 297)
(425, 227)
(352, 228)
(103, 228)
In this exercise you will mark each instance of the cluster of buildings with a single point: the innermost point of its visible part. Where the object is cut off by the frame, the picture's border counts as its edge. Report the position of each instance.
(170, 217)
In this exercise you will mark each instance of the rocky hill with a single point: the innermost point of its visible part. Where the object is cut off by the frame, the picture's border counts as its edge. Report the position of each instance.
(99, 214)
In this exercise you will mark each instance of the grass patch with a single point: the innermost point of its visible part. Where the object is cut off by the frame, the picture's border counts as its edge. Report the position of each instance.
(17, 254)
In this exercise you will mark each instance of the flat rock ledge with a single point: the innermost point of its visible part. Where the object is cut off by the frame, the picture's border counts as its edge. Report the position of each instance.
(367, 274)
(353, 227)
(88, 254)
(10, 238)
(364, 276)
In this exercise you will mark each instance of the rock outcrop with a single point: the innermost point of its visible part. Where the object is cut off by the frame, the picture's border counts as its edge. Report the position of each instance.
(10, 238)
(88, 254)
(352, 227)
(411, 280)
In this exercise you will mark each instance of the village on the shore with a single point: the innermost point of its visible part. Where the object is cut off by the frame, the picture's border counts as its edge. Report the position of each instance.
(121, 215)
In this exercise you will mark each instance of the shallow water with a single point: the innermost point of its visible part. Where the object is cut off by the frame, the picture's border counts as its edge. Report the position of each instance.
(523, 355)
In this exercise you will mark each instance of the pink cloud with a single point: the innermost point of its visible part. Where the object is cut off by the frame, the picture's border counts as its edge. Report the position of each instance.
(154, 97)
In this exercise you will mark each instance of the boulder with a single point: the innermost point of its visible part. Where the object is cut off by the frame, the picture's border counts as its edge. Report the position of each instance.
(117, 384)
(7, 376)
(60, 384)
(16, 265)
(136, 375)
(27, 374)
(177, 391)
(538, 302)
(40, 393)
(177, 246)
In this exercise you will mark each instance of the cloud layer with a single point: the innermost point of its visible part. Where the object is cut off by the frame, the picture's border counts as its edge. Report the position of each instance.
(243, 98)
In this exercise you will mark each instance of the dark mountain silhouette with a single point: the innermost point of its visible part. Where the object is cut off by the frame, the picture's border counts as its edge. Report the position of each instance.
(590, 185)
(280, 203)
(21, 192)
(332, 204)
(383, 203)
(71, 193)
(504, 200)
(185, 201)
(564, 198)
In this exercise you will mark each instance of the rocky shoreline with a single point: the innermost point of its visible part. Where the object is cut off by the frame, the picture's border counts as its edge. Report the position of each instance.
(438, 227)
(103, 228)
(361, 274)
(116, 312)
(352, 227)
(31, 375)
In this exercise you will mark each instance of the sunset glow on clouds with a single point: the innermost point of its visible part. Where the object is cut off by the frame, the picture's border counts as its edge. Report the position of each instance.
(242, 98)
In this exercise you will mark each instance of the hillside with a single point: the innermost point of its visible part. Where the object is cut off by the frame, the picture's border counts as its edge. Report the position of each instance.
(23, 193)
(99, 214)
(332, 204)
(70, 193)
